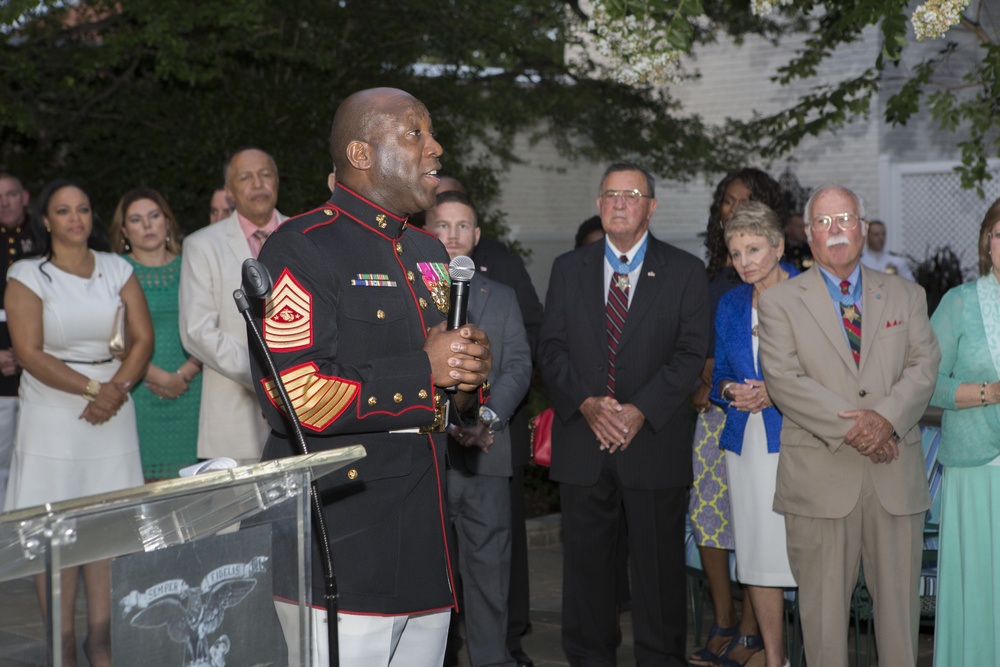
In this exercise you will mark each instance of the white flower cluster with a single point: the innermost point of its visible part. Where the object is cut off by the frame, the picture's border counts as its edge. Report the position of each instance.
(933, 18)
(627, 45)
(761, 7)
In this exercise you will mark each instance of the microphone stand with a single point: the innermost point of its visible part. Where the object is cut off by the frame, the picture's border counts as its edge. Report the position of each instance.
(257, 284)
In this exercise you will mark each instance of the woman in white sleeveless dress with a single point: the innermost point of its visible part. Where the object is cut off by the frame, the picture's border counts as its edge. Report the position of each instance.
(76, 433)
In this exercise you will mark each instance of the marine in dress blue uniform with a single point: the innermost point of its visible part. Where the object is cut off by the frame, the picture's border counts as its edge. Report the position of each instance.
(356, 294)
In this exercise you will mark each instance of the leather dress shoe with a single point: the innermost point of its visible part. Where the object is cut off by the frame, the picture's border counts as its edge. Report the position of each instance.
(521, 658)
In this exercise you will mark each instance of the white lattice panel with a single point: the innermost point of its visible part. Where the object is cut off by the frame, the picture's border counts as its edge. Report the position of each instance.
(932, 210)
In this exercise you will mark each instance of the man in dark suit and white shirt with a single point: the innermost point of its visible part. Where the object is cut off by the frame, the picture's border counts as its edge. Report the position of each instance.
(494, 261)
(480, 455)
(624, 337)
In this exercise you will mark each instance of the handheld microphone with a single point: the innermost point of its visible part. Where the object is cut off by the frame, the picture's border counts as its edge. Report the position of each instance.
(461, 271)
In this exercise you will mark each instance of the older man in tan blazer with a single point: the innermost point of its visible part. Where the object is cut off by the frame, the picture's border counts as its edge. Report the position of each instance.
(212, 329)
(850, 359)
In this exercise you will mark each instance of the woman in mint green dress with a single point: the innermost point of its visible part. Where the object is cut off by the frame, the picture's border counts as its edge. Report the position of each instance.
(167, 401)
(967, 324)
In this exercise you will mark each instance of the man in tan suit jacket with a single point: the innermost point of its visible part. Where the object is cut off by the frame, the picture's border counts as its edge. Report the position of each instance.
(212, 329)
(851, 479)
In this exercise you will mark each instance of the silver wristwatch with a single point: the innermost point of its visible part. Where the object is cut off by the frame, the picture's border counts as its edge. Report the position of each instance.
(488, 417)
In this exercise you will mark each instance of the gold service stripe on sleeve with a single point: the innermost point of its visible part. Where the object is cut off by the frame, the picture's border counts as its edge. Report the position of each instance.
(318, 400)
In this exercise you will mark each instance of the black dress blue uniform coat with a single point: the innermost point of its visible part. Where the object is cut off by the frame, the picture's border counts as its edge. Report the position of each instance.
(347, 321)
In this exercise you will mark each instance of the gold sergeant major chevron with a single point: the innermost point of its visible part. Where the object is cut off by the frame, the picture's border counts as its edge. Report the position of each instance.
(288, 316)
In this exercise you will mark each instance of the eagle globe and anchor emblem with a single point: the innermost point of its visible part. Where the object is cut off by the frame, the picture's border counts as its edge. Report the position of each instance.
(193, 614)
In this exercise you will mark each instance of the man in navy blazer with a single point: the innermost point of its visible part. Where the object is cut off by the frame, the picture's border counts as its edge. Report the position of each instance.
(621, 443)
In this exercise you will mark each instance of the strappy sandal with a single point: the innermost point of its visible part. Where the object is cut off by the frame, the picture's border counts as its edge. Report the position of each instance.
(753, 643)
(704, 657)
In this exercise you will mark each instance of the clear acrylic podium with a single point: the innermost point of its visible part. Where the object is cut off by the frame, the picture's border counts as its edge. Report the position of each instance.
(196, 562)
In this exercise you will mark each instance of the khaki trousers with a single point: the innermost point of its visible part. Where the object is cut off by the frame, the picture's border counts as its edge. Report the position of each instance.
(825, 555)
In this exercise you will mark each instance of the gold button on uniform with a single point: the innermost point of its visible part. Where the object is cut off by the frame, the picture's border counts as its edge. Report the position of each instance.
(409, 276)
(352, 474)
(423, 303)
(328, 211)
(380, 314)
(372, 400)
(398, 398)
(422, 393)
(399, 248)
(380, 219)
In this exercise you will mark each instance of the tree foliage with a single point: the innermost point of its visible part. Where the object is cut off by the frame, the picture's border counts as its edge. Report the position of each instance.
(961, 94)
(158, 92)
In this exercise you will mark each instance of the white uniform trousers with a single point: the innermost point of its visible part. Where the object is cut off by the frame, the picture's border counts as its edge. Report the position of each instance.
(371, 641)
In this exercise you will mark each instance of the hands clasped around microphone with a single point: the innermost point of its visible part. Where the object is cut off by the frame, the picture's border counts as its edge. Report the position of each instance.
(460, 357)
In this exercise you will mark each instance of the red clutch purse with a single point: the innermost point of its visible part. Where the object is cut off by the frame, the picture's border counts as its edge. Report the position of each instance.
(541, 437)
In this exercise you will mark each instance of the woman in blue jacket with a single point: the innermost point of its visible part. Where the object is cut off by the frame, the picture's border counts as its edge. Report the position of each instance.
(750, 437)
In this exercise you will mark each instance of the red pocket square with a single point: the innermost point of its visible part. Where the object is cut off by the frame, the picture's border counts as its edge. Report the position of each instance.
(893, 323)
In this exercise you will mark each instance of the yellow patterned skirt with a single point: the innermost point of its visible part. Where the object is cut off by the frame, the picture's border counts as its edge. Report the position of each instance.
(711, 518)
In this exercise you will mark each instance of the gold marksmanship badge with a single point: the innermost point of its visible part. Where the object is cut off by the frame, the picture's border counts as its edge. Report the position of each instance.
(437, 281)
(288, 316)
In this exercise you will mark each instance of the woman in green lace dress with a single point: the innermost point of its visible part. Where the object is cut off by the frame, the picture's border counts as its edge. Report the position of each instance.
(167, 402)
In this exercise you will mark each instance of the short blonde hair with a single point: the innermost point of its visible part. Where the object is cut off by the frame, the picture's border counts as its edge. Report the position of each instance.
(755, 219)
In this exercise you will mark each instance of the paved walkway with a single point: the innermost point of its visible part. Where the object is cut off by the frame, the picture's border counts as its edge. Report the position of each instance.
(20, 645)
(545, 565)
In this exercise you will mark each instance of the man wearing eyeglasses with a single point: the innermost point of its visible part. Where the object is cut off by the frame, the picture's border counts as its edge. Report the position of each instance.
(623, 339)
(850, 359)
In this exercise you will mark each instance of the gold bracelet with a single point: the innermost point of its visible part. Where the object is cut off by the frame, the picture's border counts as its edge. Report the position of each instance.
(93, 389)
(982, 394)
(725, 388)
